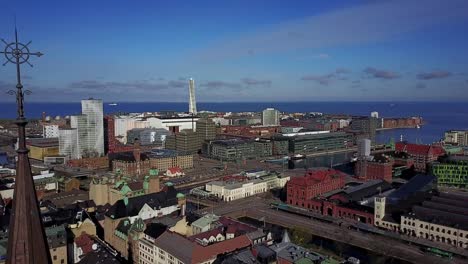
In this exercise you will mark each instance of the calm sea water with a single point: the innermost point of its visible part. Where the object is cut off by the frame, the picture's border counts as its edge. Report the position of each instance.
(439, 116)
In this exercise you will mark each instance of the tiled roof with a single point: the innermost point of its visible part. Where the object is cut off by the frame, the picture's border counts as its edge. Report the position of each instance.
(416, 149)
(176, 245)
(154, 230)
(191, 252)
(123, 226)
(154, 200)
(174, 170)
(202, 254)
(316, 176)
(84, 242)
(206, 235)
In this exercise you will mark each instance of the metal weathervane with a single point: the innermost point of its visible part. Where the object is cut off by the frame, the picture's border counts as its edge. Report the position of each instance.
(18, 53)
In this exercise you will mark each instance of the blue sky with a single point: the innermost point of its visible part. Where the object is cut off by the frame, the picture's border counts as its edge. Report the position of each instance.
(242, 50)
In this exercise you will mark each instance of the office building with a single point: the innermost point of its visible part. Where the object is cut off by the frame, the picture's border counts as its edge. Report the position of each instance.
(456, 137)
(50, 131)
(451, 173)
(184, 141)
(364, 148)
(270, 117)
(68, 143)
(366, 125)
(319, 142)
(192, 101)
(90, 128)
(93, 110)
(232, 149)
(206, 129)
(80, 124)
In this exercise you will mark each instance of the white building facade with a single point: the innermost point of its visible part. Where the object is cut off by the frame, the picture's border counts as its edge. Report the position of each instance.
(270, 117)
(93, 110)
(228, 191)
(68, 143)
(50, 131)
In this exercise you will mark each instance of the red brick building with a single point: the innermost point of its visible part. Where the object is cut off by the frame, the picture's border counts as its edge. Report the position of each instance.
(313, 184)
(251, 131)
(421, 154)
(378, 168)
(402, 122)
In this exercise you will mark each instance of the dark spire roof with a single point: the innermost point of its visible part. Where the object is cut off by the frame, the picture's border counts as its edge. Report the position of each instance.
(27, 242)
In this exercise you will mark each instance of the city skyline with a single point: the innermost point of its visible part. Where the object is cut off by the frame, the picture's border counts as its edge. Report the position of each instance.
(243, 51)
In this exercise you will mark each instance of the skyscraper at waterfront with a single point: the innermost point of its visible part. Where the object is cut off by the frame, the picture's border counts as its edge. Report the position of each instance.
(270, 117)
(90, 129)
(192, 101)
(93, 110)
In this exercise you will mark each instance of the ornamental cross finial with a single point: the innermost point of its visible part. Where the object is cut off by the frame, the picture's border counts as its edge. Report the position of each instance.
(18, 53)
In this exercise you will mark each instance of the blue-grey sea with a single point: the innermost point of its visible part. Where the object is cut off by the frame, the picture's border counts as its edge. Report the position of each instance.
(439, 116)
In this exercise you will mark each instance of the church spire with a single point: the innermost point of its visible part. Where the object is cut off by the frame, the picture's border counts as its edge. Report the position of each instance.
(27, 242)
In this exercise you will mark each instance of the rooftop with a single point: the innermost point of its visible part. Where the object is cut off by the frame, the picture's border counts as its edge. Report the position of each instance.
(154, 200)
(43, 142)
(313, 177)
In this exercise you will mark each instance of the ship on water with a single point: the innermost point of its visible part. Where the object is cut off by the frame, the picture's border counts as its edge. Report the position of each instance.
(113, 104)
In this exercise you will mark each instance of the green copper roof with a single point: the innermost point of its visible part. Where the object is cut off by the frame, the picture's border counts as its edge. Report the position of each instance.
(169, 184)
(180, 196)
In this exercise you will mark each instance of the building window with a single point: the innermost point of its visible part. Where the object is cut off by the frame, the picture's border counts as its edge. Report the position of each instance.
(55, 258)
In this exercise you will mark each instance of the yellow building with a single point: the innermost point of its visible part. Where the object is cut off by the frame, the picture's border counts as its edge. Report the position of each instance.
(110, 190)
(42, 147)
(57, 239)
(87, 226)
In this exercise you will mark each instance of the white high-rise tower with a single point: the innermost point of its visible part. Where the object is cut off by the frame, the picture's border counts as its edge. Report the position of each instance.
(192, 101)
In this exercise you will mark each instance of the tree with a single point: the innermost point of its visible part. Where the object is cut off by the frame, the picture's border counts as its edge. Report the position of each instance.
(301, 236)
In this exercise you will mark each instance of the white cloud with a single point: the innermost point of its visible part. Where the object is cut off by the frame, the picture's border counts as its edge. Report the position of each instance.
(371, 22)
